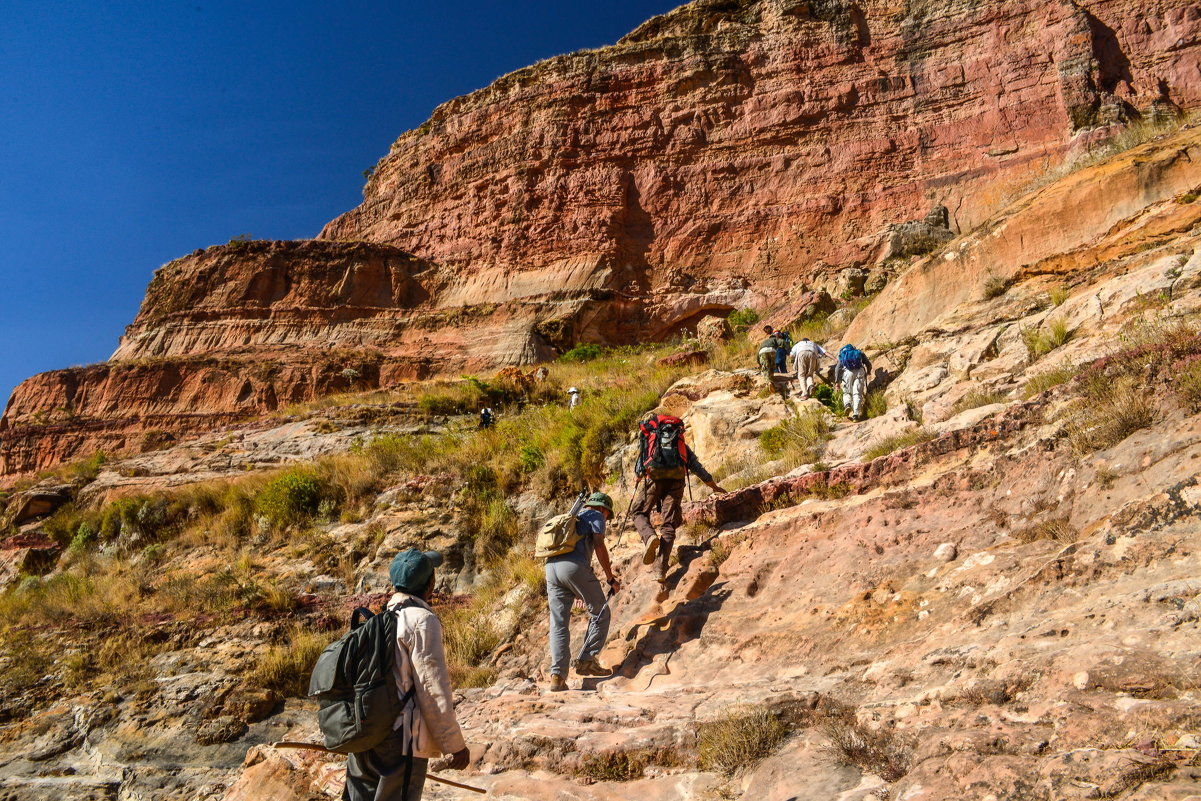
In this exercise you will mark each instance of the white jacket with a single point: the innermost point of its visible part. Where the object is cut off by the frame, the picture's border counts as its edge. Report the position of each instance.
(421, 658)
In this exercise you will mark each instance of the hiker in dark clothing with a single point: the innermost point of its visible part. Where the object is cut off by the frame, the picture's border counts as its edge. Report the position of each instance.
(662, 489)
(486, 417)
(767, 352)
(427, 725)
(785, 340)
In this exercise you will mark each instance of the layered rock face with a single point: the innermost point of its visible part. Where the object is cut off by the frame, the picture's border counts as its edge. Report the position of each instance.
(764, 139)
(721, 156)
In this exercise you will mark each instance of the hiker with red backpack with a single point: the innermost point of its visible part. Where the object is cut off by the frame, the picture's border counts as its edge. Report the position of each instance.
(664, 461)
(851, 375)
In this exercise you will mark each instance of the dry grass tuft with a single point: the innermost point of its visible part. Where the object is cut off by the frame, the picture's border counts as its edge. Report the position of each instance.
(1110, 409)
(1051, 378)
(624, 766)
(740, 739)
(1055, 529)
(887, 445)
(977, 398)
(286, 668)
(877, 751)
(798, 440)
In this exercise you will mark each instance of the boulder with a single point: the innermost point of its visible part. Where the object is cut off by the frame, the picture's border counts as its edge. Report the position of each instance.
(690, 358)
(711, 328)
(39, 502)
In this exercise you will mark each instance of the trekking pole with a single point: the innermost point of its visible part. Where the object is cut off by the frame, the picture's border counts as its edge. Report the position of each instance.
(688, 484)
(630, 506)
(430, 776)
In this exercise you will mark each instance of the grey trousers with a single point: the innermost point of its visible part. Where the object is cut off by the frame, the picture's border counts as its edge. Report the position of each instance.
(379, 774)
(566, 581)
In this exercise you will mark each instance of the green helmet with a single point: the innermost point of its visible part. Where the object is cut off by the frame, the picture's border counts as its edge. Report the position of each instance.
(600, 500)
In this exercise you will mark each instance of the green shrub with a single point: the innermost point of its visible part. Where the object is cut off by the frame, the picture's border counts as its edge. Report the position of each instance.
(1039, 342)
(740, 739)
(830, 398)
(1058, 295)
(742, 319)
(1188, 384)
(291, 498)
(584, 352)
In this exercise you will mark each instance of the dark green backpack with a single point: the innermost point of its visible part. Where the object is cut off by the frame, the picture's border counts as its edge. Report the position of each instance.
(354, 684)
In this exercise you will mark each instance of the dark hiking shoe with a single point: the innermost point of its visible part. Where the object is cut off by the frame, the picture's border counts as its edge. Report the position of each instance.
(652, 550)
(590, 667)
(557, 683)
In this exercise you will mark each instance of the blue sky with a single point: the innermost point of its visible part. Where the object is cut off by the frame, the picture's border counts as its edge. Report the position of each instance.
(134, 132)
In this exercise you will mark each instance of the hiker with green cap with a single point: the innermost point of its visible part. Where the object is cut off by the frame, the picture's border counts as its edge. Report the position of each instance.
(569, 576)
(395, 769)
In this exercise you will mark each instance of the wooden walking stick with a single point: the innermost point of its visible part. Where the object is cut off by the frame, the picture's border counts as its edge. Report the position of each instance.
(323, 749)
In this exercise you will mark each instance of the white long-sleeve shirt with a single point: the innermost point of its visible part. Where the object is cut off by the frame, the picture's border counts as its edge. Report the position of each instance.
(421, 659)
(808, 345)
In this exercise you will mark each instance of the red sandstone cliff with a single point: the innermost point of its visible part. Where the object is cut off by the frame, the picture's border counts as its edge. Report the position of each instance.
(714, 157)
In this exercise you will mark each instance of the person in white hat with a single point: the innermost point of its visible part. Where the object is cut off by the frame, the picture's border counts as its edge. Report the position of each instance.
(573, 398)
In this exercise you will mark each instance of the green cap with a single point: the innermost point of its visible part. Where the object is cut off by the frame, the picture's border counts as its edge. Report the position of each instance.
(600, 500)
(411, 569)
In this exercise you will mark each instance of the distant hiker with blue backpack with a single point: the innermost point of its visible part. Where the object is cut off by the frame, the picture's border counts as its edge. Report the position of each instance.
(664, 461)
(385, 691)
(567, 543)
(852, 374)
(784, 340)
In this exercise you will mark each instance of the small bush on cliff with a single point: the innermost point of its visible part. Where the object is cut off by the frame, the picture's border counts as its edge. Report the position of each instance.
(1039, 342)
(584, 352)
(740, 739)
(742, 319)
(878, 751)
(1110, 410)
(290, 499)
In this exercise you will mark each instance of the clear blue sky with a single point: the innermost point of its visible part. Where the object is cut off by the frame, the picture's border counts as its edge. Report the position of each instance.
(134, 132)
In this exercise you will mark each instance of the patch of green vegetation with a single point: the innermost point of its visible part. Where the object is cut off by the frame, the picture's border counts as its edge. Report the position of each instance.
(1058, 295)
(1041, 341)
(585, 352)
(290, 498)
(742, 319)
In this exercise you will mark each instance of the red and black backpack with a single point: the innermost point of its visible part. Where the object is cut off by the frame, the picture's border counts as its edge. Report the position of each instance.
(663, 452)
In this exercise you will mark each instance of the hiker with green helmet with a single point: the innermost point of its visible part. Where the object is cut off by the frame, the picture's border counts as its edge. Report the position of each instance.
(395, 769)
(569, 576)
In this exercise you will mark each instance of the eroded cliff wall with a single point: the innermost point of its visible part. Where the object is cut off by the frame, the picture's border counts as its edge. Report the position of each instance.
(718, 157)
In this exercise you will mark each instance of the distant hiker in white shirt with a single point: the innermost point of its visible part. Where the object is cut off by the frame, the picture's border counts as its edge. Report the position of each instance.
(804, 358)
(573, 398)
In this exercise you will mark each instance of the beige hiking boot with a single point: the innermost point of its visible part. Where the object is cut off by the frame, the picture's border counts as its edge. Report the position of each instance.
(590, 667)
(557, 683)
(652, 550)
